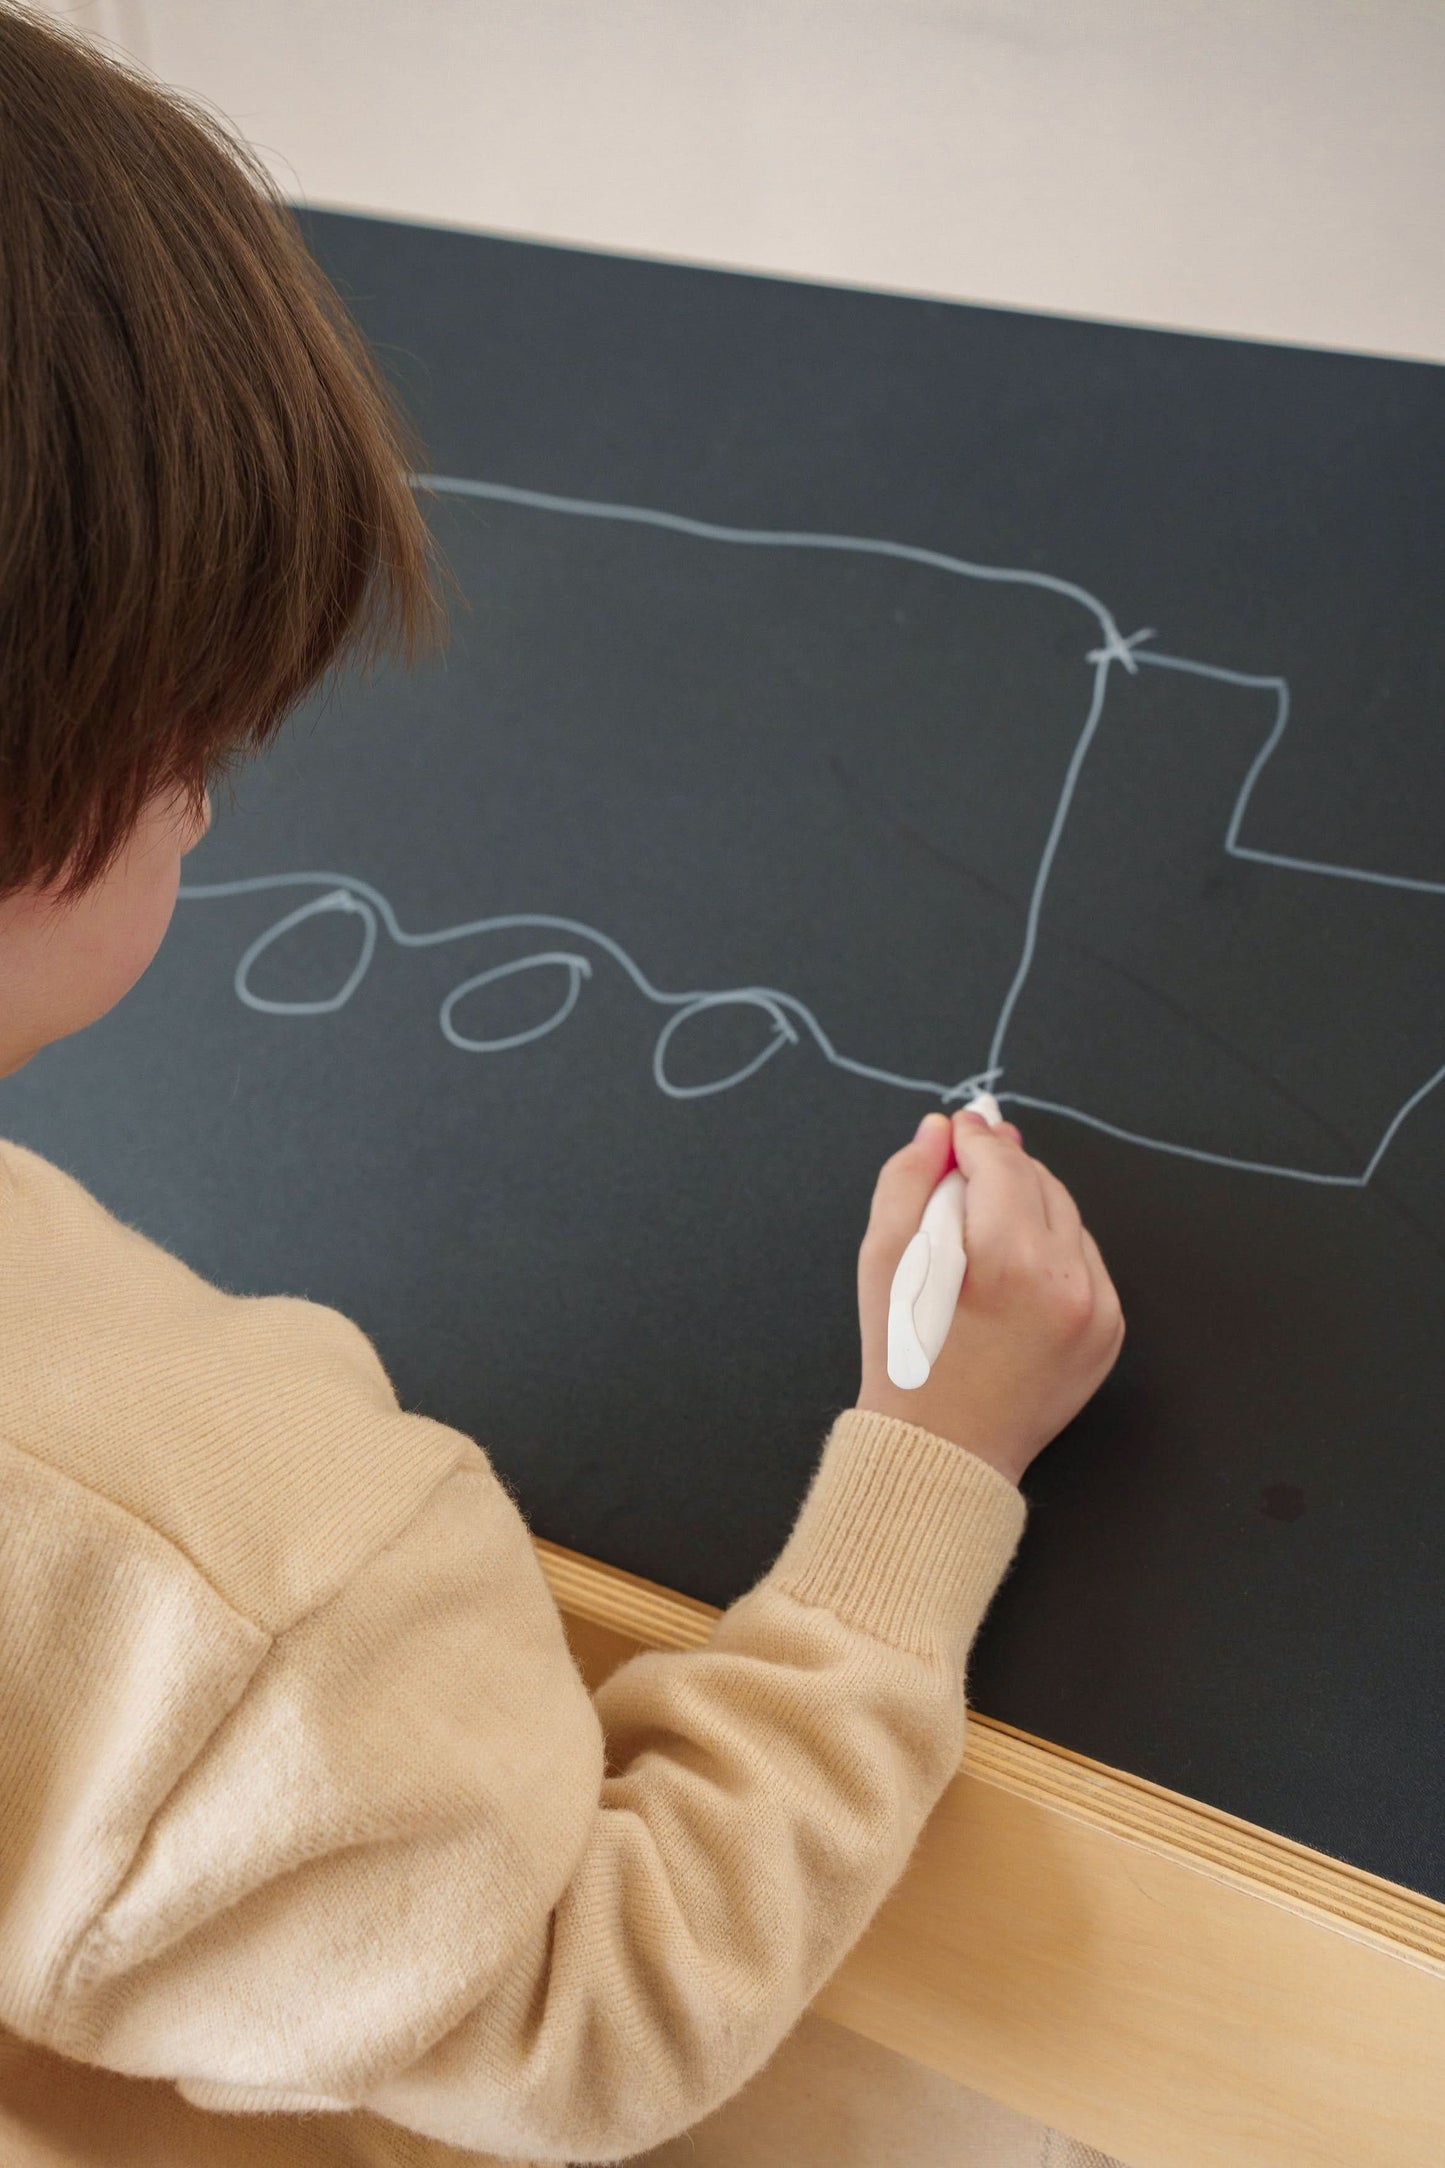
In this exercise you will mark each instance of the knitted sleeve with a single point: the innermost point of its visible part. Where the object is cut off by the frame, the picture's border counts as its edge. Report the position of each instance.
(394, 1858)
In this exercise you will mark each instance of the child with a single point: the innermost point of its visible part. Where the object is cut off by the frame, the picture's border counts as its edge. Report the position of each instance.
(313, 1847)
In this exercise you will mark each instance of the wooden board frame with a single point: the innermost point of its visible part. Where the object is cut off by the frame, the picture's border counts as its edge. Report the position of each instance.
(1175, 1986)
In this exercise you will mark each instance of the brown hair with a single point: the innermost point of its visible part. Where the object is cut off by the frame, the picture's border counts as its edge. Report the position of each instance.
(203, 478)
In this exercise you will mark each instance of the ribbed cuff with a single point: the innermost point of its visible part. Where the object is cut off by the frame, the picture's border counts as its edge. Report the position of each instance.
(902, 1534)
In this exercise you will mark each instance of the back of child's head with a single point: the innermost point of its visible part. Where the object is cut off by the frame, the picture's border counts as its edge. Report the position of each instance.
(204, 501)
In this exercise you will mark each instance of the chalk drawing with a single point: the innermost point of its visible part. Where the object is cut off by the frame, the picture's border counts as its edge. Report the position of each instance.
(345, 892)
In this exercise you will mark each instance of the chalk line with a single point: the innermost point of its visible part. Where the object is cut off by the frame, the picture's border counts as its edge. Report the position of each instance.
(345, 892)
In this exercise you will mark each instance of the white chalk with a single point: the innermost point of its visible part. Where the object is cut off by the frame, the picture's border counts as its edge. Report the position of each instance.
(929, 1278)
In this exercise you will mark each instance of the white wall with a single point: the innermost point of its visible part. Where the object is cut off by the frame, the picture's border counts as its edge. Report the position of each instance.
(1270, 168)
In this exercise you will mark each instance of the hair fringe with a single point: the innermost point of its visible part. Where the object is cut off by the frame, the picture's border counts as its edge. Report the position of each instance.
(204, 495)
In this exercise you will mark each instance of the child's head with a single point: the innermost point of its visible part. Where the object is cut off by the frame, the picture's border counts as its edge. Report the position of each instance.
(204, 506)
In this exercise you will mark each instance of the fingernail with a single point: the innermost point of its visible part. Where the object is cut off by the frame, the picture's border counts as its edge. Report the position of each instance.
(923, 1128)
(977, 1119)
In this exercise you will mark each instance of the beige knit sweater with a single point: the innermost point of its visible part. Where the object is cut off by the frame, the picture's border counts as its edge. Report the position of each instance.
(314, 1848)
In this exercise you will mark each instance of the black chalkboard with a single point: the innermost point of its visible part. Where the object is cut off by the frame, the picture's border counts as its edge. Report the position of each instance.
(827, 777)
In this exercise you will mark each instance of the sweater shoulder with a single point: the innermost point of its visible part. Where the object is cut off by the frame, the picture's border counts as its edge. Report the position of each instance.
(258, 1433)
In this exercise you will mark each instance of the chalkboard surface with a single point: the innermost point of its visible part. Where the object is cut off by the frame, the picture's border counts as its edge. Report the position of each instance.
(860, 695)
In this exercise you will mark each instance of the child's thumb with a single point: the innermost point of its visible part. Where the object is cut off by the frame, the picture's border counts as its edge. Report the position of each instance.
(907, 1182)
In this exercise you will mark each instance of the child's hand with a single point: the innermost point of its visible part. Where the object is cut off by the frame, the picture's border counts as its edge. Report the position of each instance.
(1038, 1325)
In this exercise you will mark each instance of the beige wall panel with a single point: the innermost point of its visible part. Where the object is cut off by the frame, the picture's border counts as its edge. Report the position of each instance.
(1264, 167)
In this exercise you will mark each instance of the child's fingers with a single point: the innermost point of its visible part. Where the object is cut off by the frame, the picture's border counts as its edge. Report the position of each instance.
(1003, 1184)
